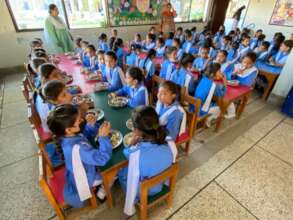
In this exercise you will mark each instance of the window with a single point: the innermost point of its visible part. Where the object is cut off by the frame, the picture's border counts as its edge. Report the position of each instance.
(232, 8)
(197, 10)
(86, 14)
(31, 14)
(182, 7)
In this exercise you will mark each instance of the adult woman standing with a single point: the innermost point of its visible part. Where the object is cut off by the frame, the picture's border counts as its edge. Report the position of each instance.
(57, 35)
(168, 15)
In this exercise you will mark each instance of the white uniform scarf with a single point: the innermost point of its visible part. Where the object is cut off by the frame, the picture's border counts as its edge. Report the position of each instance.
(208, 100)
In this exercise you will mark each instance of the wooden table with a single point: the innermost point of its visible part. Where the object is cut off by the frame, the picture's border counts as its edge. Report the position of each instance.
(117, 117)
(233, 94)
(271, 78)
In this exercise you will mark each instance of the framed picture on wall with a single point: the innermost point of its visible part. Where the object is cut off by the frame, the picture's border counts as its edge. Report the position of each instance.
(283, 13)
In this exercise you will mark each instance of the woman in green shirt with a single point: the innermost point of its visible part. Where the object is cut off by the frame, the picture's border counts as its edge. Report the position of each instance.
(57, 35)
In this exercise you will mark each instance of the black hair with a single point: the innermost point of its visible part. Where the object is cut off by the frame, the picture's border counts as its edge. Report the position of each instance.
(261, 37)
(151, 36)
(288, 43)
(146, 120)
(37, 62)
(172, 87)
(186, 59)
(61, 118)
(188, 33)
(180, 29)
(151, 53)
(259, 30)
(52, 7)
(112, 54)
(171, 35)
(227, 38)
(161, 40)
(34, 43)
(91, 47)
(39, 54)
(118, 43)
(101, 52)
(252, 56)
(138, 35)
(212, 69)
(78, 41)
(245, 36)
(38, 39)
(52, 89)
(177, 41)
(266, 44)
(85, 42)
(193, 29)
(206, 46)
(103, 37)
(46, 69)
(170, 50)
(223, 52)
(136, 74)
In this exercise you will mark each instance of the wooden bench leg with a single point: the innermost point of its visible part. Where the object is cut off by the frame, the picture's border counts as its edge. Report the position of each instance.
(271, 81)
(241, 107)
(107, 181)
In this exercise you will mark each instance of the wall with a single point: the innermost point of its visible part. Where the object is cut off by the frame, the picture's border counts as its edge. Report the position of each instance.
(259, 12)
(14, 46)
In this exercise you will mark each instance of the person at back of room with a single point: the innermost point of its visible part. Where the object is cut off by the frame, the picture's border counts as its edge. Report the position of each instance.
(169, 64)
(188, 46)
(148, 64)
(78, 48)
(176, 43)
(160, 47)
(102, 43)
(169, 40)
(149, 42)
(119, 50)
(114, 36)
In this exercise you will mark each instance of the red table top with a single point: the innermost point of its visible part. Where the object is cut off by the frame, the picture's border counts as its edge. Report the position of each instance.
(73, 69)
(234, 92)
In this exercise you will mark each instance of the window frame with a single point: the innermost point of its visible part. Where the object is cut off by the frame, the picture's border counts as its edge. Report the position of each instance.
(108, 23)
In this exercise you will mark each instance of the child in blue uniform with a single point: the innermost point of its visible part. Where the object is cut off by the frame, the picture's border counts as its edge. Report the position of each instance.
(188, 46)
(102, 43)
(83, 56)
(183, 77)
(179, 34)
(277, 61)
(132, 58)
(78, 49)
(176, 43)
(149, 155)
(257, 39)
(226, 43)
(137, 40)
(226, 67)
(171, 114)
(245, 72)
(148, 65)
(262, 51)
(243, 49)
(169, 40)
(160, 47)
(119, 50)
(81, 159)
(207, 88)
(135, 89)
(101, 61)
(92, 53)
(149, 42)
(200, 63)
(217, 40)
(169, 64)
(35, 64)
(112, 73)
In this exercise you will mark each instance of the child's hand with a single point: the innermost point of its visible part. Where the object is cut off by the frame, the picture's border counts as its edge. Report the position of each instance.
(83, 106)
(91, 119)
(105, 129)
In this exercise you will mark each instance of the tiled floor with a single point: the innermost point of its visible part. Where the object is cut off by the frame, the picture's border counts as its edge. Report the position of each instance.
(245, 171)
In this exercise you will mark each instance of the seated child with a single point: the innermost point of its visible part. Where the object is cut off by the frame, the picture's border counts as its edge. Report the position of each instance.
(112, 73)
(179, 34)
(245, 71)
(257, 40)
(149, 42)
(119, 50)
(188, 46)
(35, 64)
(201, 62)
(160, 47)
(101, 61)
(183, 77)
(148, 143)
(83, 56)
(135, 89)
(132, 59)
(171, 114)
(207, 88)
(243, 49)
(78, 48)
(176, 43)
(102, 43)
(169, 64)
(262, 51)
(169, 40)
(137, 40)
(92, 54)
(148, 65)
(226, 67)
(81, 158)
(226, 43)
(217, 40)
(194, 34)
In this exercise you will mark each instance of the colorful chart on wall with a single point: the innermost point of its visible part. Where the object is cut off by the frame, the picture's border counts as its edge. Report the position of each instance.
(134, 12)
(283, 13)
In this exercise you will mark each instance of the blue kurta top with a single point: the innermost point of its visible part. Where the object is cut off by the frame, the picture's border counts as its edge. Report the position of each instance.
(149, 66)
(168, 42)
(180, 76)
(90, 158)
(115, 79)
(153, 160)
(199, 63)
(137, 96)
(167, 68)
(120, 57)
(103, 46)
